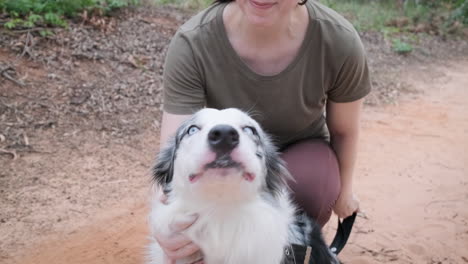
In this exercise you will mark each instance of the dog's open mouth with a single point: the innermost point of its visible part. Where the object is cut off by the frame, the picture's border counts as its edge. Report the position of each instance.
(222, 164)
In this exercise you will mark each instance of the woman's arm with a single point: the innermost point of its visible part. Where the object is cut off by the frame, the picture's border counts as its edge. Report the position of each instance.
(343, 123)
(169, 125)
(183, 94)
(175, 245)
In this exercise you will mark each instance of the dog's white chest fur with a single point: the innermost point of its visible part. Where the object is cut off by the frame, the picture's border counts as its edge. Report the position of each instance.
(221, 166)
(251, 233)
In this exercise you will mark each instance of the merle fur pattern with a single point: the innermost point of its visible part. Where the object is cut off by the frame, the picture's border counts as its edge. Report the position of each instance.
(304, 231)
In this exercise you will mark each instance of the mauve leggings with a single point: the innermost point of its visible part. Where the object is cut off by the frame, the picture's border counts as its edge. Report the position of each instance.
(314, 167)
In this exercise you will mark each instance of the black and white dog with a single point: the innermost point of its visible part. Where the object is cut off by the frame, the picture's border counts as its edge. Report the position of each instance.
(223, 167)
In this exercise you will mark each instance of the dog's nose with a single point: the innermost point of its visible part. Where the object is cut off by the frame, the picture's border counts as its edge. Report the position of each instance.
(223, 138)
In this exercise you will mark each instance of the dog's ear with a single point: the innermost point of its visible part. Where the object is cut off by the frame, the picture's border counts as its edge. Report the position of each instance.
(277, 173)
(163, 170)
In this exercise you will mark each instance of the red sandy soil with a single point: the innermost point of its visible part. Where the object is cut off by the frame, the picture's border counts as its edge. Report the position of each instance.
(412, 180)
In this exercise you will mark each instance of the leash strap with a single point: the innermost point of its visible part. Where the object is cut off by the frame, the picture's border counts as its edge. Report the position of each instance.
(297, 254)
(342, 233)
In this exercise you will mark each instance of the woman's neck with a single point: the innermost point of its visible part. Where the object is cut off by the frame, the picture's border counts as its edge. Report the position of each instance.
(289, 27)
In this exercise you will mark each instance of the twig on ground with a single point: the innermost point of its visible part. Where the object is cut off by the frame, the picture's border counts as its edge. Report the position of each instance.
(363, 215)
(7, 152)
(116, 181)
(29, 44)
(389, 253)
(20, 31)
(36, 29)
(78, 211)
(26, 139)
(426, 208)
(4, 73)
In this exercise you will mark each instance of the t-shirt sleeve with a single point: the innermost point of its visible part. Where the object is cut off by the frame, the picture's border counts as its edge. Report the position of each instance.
(352, 82)
(183, 91)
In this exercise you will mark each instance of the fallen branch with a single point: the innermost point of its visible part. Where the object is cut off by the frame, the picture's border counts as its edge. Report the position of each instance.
(4, 73)
(29, 30)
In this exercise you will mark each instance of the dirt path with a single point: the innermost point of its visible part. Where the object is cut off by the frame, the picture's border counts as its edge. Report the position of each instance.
(412, 179)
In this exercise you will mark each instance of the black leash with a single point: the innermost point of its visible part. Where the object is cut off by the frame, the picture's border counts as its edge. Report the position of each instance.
(342, 233)
(297, 254)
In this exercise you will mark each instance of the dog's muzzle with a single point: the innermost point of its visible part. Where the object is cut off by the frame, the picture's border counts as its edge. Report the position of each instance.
(223, 139)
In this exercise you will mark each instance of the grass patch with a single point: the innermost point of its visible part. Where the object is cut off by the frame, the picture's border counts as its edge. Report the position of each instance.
(53, 13)
(401, 47)
(376, 15)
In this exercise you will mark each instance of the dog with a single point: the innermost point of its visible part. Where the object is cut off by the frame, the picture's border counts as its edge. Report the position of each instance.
(223, 167)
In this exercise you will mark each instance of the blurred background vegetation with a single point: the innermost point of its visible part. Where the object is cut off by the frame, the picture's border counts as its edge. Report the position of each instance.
(389, 17)
(31, 13)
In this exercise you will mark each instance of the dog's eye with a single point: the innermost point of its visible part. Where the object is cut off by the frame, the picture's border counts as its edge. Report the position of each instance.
(250, 130)
(192, 130)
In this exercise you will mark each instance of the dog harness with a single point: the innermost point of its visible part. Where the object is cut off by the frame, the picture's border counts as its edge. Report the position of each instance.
(298, 254)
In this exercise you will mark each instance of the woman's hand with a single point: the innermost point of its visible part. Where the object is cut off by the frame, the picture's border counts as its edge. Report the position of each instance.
(175, 244)
(346, 205)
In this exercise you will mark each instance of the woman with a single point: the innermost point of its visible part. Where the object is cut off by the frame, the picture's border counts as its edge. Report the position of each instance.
(286, 63)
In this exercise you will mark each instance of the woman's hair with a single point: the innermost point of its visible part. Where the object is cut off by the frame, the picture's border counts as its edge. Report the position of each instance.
(302, 2)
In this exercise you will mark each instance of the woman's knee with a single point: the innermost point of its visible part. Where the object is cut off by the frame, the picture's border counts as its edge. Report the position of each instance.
(316, 186)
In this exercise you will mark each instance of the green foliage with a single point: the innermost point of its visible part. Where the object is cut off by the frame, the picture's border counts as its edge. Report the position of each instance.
(390, 31)
(33, 18)
(13, 23)
(113, 4)
(54, 19)
(401, 47)
(461, 13)
(401, 21)
(372, 15)
(438, 3)
(30, 13)
(45, 33)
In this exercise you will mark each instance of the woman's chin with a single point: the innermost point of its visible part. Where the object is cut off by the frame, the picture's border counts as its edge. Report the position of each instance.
(261, 21)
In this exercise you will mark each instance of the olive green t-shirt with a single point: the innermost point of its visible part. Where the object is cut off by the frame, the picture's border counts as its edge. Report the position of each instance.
(202, 69)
